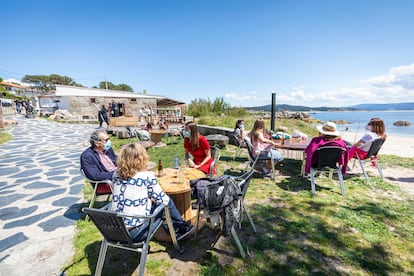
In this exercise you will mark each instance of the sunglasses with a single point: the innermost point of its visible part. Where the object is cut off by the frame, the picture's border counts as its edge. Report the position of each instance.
(104, 140)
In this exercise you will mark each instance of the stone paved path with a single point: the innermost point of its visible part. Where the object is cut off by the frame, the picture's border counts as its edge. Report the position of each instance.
(40, 192)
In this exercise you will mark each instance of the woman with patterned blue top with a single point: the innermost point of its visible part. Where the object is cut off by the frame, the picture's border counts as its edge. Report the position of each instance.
(136, 191)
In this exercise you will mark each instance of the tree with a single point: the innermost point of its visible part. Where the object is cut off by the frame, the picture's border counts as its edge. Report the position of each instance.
(106, 85)
(45, 83)
(124, 87)
(119, 87)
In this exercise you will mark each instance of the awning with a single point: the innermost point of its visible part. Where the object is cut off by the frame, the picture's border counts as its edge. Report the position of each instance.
(168, 102)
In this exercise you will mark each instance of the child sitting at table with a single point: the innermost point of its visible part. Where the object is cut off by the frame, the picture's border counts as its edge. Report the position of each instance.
(136, 191)
(262, 143)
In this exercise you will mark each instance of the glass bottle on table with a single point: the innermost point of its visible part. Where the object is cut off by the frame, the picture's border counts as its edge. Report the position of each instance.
(160, 168)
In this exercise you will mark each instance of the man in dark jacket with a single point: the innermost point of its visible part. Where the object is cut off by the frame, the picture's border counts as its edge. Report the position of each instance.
(99, 160)
(103, 116)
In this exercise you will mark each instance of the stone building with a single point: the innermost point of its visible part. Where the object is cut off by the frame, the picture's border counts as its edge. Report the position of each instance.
(85, 103)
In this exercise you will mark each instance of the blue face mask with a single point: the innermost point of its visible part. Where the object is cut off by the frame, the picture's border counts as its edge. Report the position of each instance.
(241, 126)
(108, 145)
(186, 133)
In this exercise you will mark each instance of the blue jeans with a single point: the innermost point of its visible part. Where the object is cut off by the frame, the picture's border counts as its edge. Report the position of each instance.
(140, 232)
(272, 153)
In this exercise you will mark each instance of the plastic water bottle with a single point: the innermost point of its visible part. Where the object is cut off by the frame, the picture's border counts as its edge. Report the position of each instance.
(176, 162)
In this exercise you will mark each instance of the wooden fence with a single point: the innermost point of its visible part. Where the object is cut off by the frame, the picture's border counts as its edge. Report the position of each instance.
(7, 107)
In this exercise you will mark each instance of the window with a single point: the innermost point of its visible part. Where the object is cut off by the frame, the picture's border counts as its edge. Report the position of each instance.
(93, 100)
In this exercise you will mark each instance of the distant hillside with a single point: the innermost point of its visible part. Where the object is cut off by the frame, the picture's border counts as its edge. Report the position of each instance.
(390, 106)
(283, 107)
(286, 107)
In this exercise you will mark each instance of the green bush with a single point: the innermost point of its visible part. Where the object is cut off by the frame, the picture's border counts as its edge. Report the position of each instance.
(203, 107)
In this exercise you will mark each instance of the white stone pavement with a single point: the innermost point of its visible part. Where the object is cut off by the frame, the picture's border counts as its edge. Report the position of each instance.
(40, 195)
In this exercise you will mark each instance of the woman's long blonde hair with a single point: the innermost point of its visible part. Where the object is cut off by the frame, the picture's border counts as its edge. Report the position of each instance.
(133, 159)
(259, 125)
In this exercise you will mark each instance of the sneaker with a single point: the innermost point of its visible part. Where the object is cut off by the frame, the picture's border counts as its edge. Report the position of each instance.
(184, 231)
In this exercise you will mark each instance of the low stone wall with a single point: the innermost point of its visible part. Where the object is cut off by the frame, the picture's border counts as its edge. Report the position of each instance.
(207, 130)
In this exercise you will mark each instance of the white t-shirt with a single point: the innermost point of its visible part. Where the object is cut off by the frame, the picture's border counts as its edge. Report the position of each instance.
(133, 196)
(367, 139)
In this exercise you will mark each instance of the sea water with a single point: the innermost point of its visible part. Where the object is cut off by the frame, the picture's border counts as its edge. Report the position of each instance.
(358, 119)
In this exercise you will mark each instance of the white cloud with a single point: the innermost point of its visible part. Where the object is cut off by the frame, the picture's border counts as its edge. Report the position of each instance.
(397, 85)
(243, 98)
(402, 76)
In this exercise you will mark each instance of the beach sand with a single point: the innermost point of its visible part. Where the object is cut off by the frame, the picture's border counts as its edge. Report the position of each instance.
(395, 145)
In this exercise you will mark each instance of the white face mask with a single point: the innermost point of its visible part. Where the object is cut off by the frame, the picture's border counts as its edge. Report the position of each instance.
(368, 127)
(108, 145)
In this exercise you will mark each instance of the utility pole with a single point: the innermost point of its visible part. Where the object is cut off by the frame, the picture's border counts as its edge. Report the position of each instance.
(106, 84)
(273, 112)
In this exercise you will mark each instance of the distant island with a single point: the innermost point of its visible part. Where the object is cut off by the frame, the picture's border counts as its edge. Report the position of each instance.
(285, 107)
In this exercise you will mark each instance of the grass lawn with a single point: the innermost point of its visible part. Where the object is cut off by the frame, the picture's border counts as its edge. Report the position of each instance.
(367, 232)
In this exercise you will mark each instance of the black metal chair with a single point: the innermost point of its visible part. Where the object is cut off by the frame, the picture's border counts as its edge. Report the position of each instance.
(112, 227)
(256, 162)
(100, 187)
(372, 157)
(328, 161)
(215, 154)
(240, 145)
(239, 208)
(244, 181)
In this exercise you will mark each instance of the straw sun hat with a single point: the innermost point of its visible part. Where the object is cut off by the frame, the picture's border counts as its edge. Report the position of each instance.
(328, 128)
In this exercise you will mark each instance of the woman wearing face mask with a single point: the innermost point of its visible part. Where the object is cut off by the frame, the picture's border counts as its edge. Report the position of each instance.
(374, 129)
(239, 129)
(198, 146)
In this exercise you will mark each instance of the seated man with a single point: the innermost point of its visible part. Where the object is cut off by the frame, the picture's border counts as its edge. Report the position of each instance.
(99, 160)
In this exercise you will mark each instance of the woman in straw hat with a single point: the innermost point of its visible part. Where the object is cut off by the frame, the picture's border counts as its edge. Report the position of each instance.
(328, 136)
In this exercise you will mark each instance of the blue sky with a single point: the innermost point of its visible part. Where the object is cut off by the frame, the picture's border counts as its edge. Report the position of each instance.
(310, 52)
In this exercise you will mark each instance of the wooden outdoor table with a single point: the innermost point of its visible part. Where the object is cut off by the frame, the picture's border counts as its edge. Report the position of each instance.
(178, 188)
(294, 149)
(156, 135)
(294, 144)
(176, 183)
